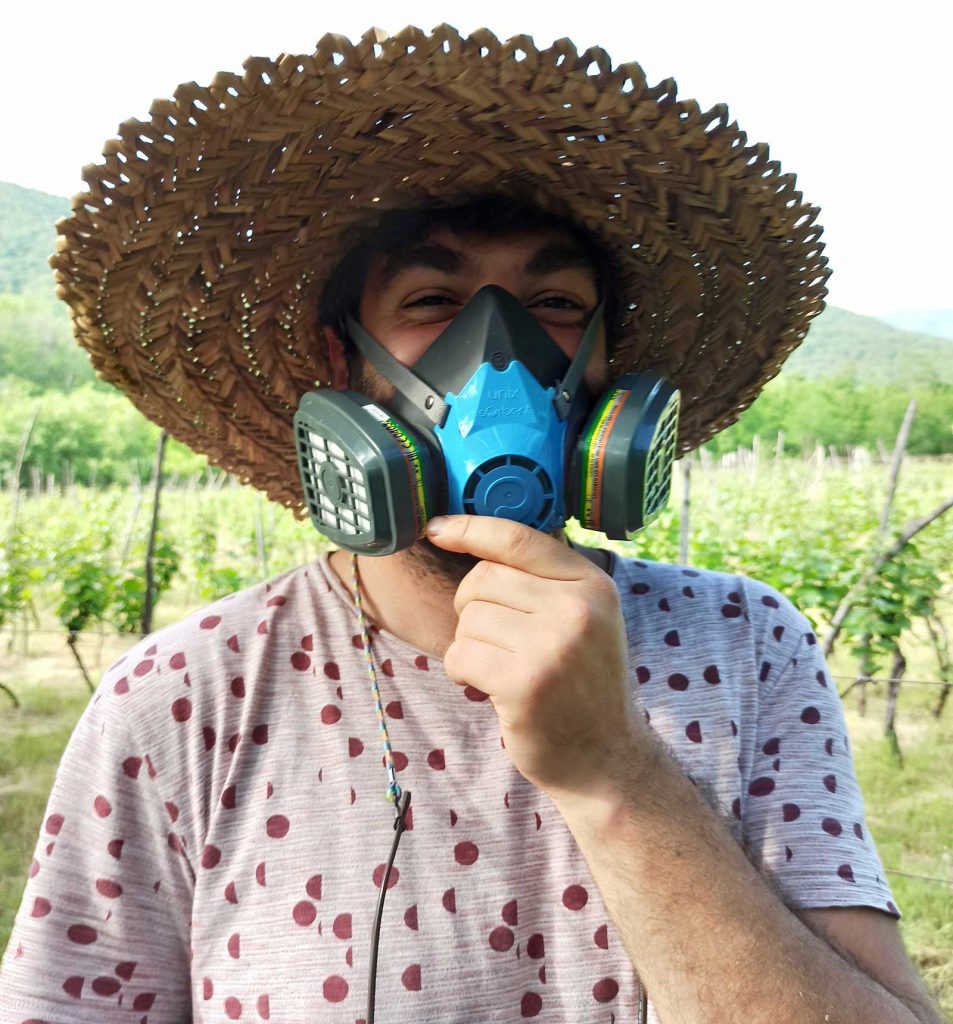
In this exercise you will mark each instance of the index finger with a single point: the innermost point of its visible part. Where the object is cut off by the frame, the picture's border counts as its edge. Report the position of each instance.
(509, 543)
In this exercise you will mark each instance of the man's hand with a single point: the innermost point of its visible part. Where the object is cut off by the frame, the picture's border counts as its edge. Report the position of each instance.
(540, 632)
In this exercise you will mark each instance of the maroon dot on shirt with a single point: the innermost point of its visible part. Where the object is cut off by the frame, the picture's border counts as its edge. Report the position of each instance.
(105, 986)
(171, 810)
(830, 783)
(144, 1001)
(238, 686)
(671, 638)
(777, 632)
(436, 760)
(300, 661)
(642, 674)
(858, 830)
(664, 606)
(536, 947)
(395, 709)
(501, 939)
(208, 737)
(640, 588)
(143, 667)
(810, 716)
(730, 611)
(122, 686)
(211, 856)
(449, 901)
(688, 592)
(313, 887)
(182, 709)
(712, 675)
(354, 747)
(772, 746)
(232, 642)
(829, 746)
(832, 826)
(332, 671)
(601, 936)
(335, 989)
(276, 602)
(605, 990)
(234, 945)
(81, 934)
(114, 847)
(379, 873)
(330, 714)
(74, 986)
(410, 978)
(400, 760)
(421, 663)
(263, 1007)
(131, 767)
(788, 853)
(410, 918)
(208, 989)
(466, 853)
(821, 678)
(210, 622)
(531, 1004)
(342, 926)
(126, 969)
(259, 734)
(230, 893)
(233, 1008)
(736, 807)
(277, 826)
(575, 897)
(41, 907)
(846, 872)
(472, 693)
(694, 732)
(262, 627)
(810, 639)
(509, 913)
(677, 681)
(307, 642)
(761, 786)
(228, 797)
(177, 660)
(102, 806)
(387, 667)
(304, 913)
(109, 888)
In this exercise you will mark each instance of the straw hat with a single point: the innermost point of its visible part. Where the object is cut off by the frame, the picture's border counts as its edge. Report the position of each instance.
(194, 262)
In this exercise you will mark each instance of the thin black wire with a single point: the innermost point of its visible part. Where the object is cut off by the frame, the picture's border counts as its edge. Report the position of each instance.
(400, 825)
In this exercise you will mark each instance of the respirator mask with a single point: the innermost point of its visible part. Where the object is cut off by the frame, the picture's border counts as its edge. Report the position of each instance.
(494, 420)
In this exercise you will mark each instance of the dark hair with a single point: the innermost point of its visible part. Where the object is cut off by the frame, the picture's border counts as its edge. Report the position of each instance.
(485, 216)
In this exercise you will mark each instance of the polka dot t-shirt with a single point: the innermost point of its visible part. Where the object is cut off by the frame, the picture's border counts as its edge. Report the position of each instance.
(216, 836)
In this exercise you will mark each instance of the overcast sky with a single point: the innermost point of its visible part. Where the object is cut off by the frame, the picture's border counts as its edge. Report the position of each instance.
(854, 97)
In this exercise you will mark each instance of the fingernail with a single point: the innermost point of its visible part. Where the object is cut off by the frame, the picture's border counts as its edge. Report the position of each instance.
(436, 525)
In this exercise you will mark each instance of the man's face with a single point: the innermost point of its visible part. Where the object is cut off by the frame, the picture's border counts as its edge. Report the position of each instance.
(410, 298)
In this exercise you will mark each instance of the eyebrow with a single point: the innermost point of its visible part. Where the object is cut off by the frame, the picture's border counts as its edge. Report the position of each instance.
(430, 255)
(559, 256)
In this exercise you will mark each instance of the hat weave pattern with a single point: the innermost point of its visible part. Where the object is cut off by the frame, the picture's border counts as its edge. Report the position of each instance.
(194, 261)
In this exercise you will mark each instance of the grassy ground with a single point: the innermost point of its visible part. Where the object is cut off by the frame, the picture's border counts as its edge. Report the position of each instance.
(910, 809)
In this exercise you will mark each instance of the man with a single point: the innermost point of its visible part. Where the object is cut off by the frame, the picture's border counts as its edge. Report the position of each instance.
(640, 781)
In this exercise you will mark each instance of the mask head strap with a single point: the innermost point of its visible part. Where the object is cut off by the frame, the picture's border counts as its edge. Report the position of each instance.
(566, 389)
(424, 397)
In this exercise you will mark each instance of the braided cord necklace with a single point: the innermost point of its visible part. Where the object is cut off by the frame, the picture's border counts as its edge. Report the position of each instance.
(394, 792)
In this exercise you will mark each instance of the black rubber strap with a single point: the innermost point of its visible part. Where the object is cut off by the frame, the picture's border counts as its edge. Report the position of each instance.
(406, 381)
(566, 389)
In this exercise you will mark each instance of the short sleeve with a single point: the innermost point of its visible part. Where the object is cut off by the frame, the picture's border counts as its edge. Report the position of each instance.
(802, 810)
(103, 929)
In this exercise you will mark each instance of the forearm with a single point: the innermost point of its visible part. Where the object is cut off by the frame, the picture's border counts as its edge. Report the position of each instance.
(708, 937)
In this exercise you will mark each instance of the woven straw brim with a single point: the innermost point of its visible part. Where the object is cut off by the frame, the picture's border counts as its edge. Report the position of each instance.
(194, 262)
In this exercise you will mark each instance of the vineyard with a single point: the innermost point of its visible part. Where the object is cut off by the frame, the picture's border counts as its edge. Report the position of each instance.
(75, 583)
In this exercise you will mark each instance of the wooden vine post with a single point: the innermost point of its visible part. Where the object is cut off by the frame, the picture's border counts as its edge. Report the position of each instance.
(148, 603)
